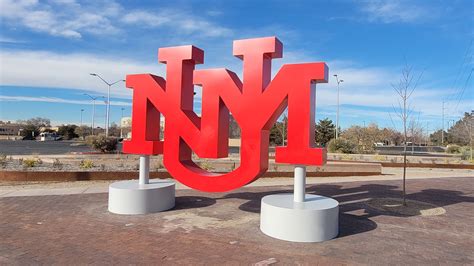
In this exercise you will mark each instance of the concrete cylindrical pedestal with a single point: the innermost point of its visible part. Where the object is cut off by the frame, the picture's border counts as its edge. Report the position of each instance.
(314, 220)
(130, 197)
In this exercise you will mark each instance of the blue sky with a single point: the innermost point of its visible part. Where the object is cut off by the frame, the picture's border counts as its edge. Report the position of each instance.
(48, 49)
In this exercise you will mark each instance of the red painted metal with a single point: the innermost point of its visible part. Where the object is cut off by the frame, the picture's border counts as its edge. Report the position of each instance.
(255, 103)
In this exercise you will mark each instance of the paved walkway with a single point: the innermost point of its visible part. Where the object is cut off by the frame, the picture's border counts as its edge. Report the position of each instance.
(223, 228)
(20, 189)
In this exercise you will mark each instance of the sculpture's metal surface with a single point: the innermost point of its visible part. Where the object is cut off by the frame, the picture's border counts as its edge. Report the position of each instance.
(255, 103)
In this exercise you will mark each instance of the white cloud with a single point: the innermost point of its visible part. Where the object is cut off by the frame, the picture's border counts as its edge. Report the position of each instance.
(390, 11)
(71, 19)
(64, 18)
(47, 69)
(4, 39)
(180, 21)
(57, 100)
(364, 86)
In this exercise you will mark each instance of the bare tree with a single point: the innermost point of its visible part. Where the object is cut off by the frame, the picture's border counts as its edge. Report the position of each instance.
(405, 88)
(282, 127)
(416, 133)
(468, 125)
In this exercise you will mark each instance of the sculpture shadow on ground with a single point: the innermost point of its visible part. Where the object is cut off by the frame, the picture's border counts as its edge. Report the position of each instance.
(192, 202)
(355, 215)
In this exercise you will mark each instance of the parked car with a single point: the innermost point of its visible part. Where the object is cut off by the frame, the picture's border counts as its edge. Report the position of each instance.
(47, 136)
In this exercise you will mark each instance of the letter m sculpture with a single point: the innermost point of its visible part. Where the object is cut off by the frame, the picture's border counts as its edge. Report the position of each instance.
(256, 103)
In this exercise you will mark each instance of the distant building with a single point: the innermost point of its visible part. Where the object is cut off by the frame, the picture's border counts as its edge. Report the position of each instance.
(126, 122)
(10, 130)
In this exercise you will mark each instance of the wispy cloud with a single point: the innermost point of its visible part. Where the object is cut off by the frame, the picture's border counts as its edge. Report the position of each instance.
(71, 19)
(390, 11)
(179, 20)
(363, 86)
(61, 18)
(4, 39)
(54, 100)
(56, 70)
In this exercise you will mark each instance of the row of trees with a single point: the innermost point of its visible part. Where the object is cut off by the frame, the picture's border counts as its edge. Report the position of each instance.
(362, 138)
(31, 128)
(460, 133)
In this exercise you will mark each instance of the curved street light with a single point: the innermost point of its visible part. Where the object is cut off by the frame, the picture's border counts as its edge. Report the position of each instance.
(337, 115)
(108, 99)
(93, 98)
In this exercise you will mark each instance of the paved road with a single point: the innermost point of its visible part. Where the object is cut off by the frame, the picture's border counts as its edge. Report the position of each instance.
(432, 151)
(29, 147)
(32, 147)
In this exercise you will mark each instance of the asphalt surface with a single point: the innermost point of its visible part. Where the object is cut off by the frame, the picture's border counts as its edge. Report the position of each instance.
(30, 147)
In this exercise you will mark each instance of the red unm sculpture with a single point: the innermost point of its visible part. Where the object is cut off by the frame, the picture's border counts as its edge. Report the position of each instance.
(256, 103)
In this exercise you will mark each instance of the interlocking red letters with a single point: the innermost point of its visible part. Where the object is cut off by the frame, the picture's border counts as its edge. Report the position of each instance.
(256, 103)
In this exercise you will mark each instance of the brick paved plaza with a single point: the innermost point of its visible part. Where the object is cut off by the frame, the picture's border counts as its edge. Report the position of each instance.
(223, 228)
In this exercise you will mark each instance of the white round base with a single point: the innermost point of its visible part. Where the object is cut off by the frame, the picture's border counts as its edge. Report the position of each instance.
(315, 220)
(129, 197)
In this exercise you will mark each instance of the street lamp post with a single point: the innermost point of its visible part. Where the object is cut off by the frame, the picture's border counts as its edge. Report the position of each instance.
(106, 119)
(108, 100)
(82, 110)
(337, 115)
(121, 126)
(93, 109)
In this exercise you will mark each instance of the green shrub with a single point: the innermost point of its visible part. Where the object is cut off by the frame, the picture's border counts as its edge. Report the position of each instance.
(465, 153)
(380, 158)
(341, 145)
(102, 143)
(31, 162)
(453, 148)
(346, 157)
(158, 166)
(86, 164)
(205, 165)
(3, 160)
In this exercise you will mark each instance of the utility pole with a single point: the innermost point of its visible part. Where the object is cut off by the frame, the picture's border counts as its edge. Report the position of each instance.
(337, 115)
(106, 120)
(108, 100)
(82, 110)
(121, 126)
(93, 109)
(427, 133)
(442, 126)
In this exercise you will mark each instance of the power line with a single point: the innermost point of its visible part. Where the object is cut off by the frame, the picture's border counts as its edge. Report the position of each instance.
(462, 69)
(464, 89)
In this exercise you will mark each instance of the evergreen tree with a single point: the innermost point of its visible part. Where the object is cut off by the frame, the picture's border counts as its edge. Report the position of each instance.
(325, 131)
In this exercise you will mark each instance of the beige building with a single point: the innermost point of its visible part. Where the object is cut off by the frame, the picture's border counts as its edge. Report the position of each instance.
(10, 130)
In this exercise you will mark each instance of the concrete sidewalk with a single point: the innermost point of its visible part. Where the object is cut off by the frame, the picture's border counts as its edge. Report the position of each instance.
(9, 189)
